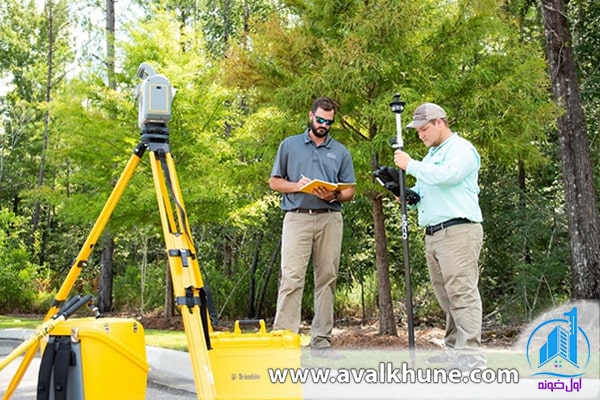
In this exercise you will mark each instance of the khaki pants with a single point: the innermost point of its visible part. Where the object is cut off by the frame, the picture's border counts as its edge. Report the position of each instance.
(452, 258)
(306, 235)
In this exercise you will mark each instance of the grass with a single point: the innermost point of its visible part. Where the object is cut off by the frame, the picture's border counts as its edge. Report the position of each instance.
(7, 322)
(166, 339)
(174, 340)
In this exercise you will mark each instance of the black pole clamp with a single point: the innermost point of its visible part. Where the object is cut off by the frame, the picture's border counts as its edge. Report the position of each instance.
(183, 254)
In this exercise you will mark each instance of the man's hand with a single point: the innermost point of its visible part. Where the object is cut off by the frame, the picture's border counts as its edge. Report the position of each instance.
(303, 181)
(412, 197)
(320, 191)
(401, 159)
(324, 194)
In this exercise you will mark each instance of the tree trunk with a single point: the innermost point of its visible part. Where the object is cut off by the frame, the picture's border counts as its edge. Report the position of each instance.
(110, 43)
(577, 171)
(522, 177)
(106, 275)
(49, 9)
(253, 268)
(227, 256)
(106, 272)
(169, 294)
(387, 322)
(263, 291)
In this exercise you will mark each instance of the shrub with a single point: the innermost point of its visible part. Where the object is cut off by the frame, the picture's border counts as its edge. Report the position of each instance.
(17, 271)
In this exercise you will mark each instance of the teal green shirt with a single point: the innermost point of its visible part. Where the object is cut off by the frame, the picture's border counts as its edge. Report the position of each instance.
(447, 182)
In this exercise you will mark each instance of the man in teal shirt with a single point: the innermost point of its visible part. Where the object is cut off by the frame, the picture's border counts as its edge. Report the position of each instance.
(449, 211)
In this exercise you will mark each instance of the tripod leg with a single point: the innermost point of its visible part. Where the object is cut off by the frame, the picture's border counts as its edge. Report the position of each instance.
(184, 269)
(80, 261)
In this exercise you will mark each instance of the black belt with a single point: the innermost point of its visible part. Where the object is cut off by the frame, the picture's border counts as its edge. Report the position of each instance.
(431, 229)
(312, 210)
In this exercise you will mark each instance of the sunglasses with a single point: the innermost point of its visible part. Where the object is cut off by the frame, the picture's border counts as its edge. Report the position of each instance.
(327, 122)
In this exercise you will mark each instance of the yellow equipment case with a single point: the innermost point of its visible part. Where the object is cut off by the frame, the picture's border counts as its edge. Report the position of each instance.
(106, 360)
(240, 362)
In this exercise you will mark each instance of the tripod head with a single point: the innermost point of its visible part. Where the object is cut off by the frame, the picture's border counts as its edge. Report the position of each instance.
(155, 95)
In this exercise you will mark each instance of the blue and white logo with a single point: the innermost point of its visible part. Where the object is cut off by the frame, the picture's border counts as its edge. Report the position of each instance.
(559, 347)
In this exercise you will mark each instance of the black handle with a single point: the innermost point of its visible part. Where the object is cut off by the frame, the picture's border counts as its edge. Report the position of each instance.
(257, 324)
(74, 304)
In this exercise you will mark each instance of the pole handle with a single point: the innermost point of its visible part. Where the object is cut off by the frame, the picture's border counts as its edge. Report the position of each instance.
(398, 108)
(74, 304)
(71, 306)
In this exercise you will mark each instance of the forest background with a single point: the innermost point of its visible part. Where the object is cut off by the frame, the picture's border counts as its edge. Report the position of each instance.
(518, 78)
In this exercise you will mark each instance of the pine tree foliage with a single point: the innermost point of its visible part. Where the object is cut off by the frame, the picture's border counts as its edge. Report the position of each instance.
(245, 74)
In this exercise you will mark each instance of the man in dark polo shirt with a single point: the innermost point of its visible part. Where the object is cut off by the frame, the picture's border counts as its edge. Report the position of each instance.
(313, 223)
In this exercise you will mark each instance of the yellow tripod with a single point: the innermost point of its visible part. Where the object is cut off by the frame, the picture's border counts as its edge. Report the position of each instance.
(183, 264)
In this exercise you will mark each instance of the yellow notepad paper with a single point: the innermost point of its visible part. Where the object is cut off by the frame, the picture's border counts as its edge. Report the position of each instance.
(333, 187)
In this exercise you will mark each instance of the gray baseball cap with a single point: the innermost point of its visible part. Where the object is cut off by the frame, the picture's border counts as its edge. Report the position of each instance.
(425, 113)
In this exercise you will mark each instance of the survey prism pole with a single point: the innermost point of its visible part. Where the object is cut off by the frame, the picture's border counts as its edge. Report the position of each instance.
(398, 108)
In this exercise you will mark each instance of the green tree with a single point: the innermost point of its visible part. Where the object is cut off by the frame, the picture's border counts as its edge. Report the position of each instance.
(21, 117)
(585, 21)
(464, 55)
(483, 61)
(18, 272)
(577, 170)
(35, 56)
(54, 39)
